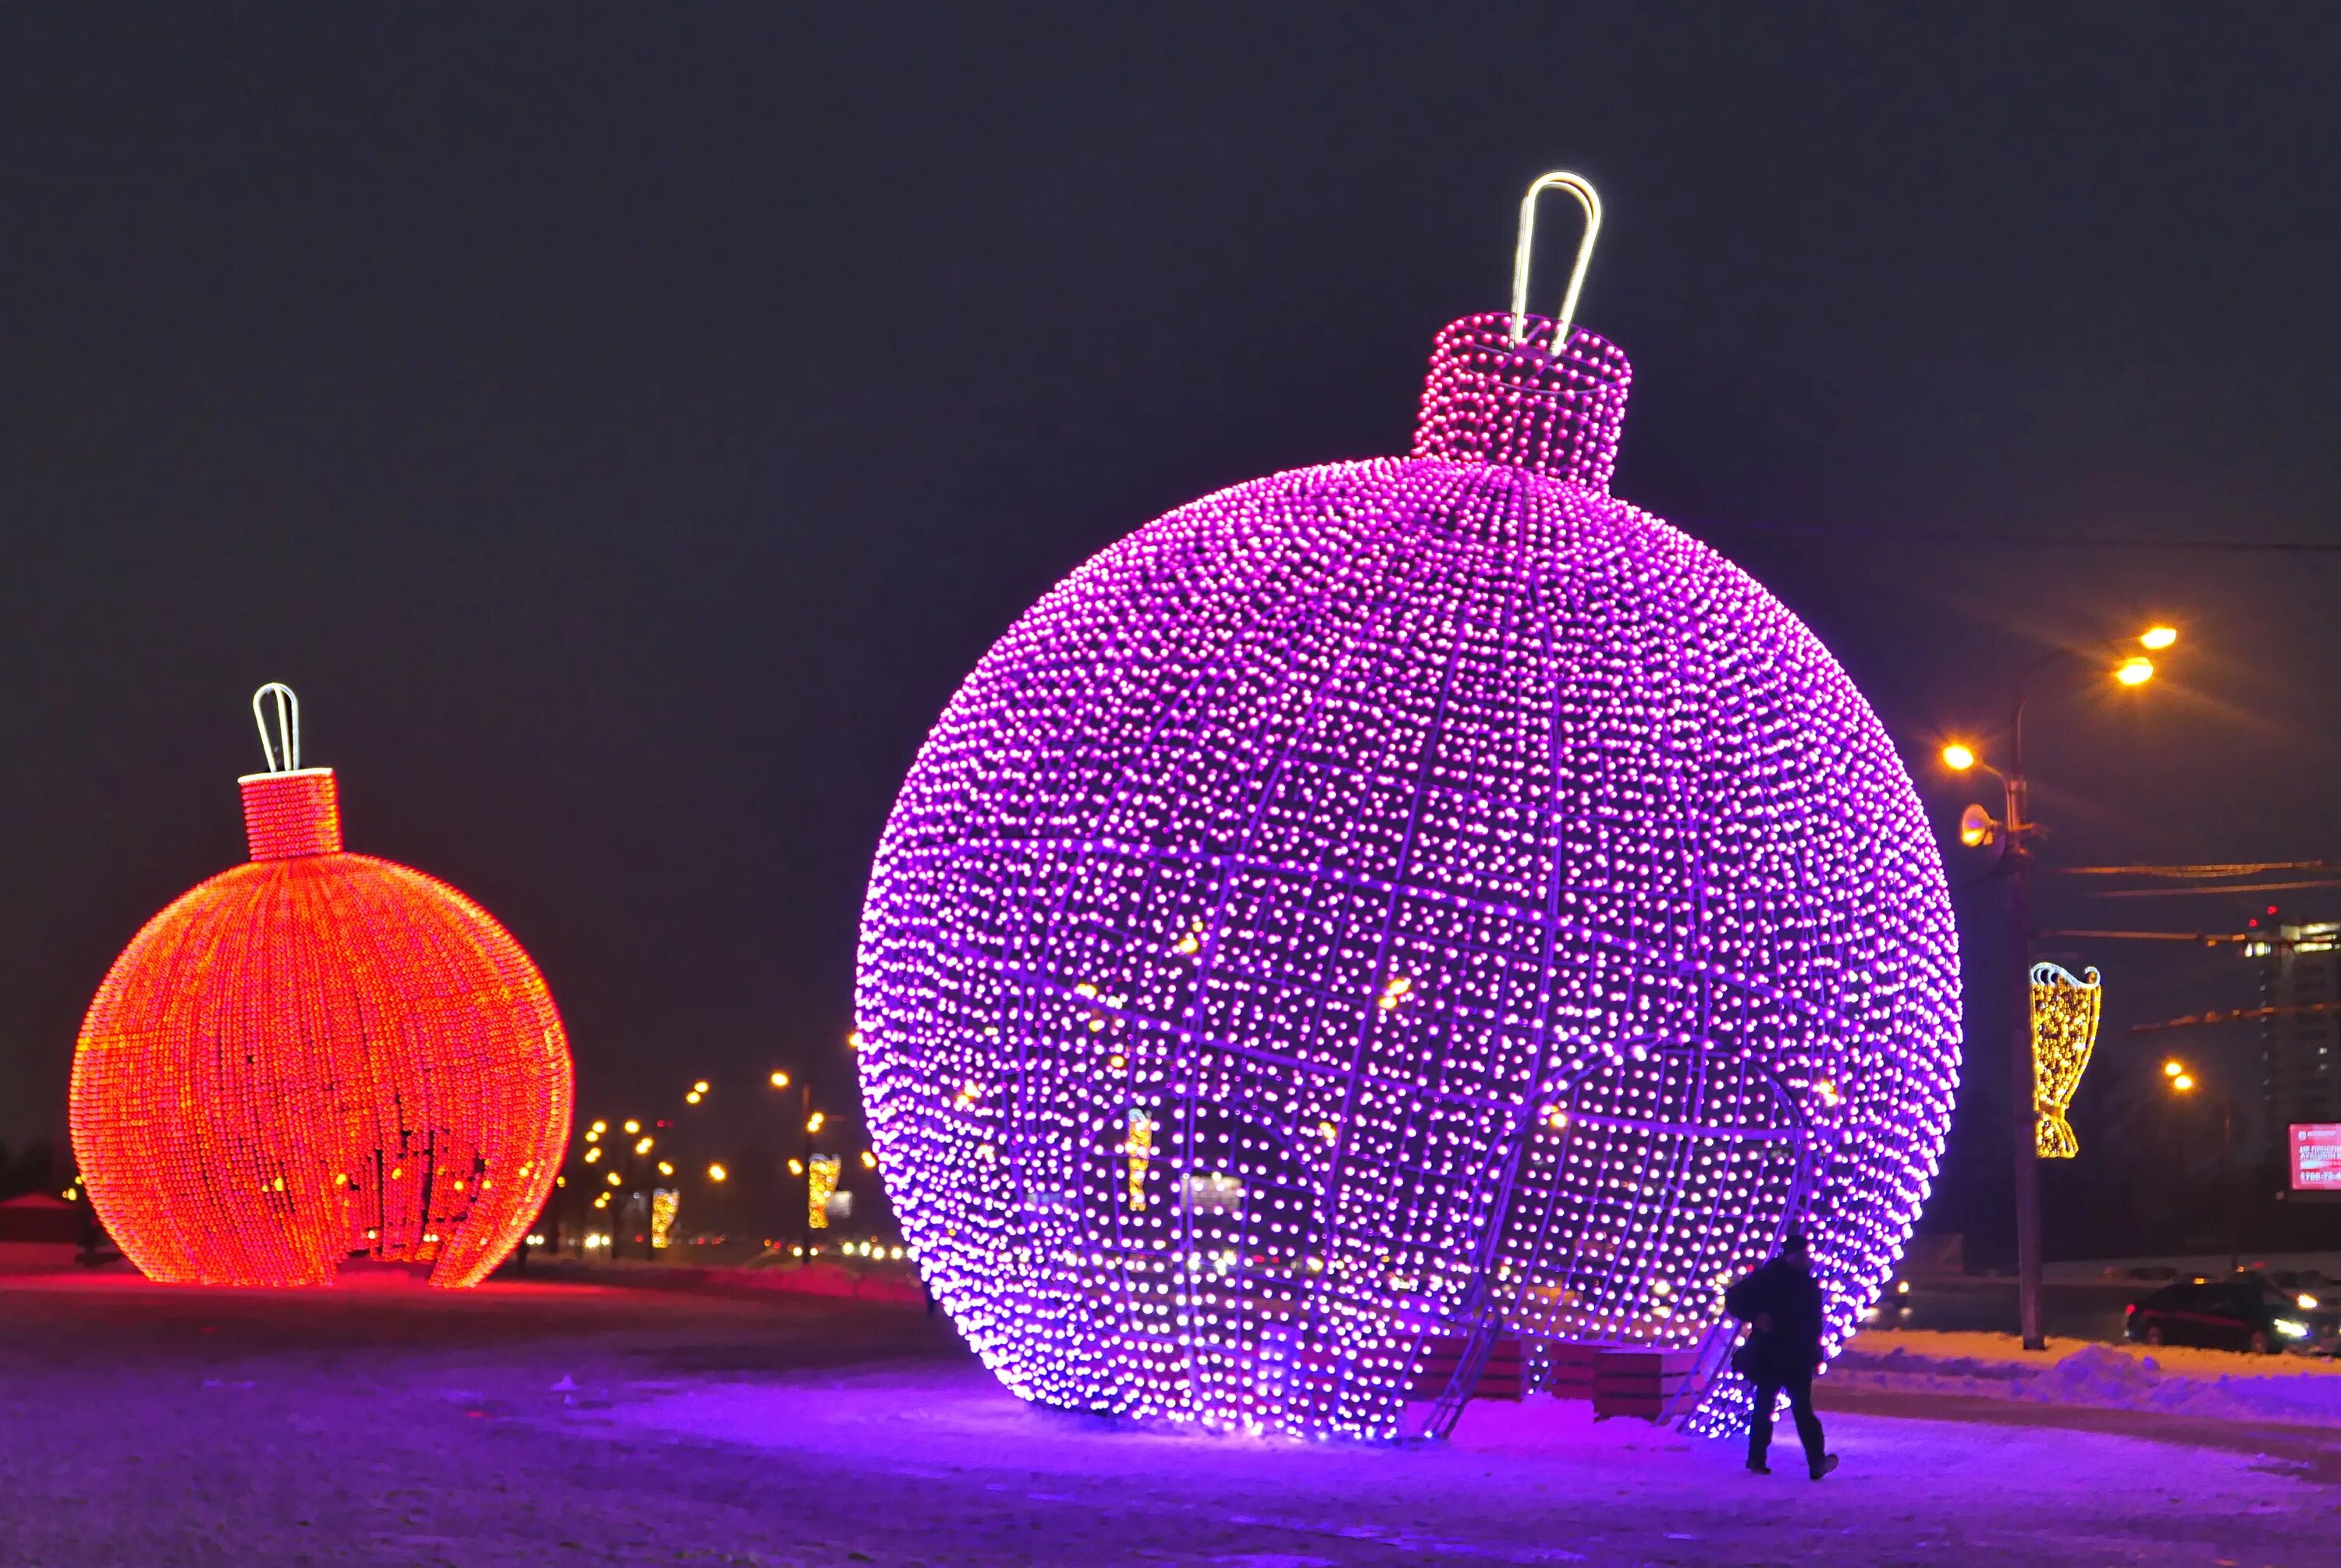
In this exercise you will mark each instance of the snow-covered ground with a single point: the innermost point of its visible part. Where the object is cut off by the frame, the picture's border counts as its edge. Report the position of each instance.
(539, 1424)
(2212, 1385)
(1536, 1483)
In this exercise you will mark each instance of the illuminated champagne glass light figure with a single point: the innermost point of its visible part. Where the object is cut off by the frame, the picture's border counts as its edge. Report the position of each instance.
(2064, 1013)
(314, 1055)
(1395, 899)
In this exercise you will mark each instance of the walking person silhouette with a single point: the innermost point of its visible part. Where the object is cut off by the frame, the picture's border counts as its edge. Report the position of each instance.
(1782, 1305)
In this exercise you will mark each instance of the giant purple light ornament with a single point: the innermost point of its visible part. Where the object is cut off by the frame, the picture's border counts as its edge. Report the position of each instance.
(1394, 900)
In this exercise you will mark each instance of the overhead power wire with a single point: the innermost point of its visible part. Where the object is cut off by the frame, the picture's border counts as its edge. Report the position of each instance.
(2224, 887)
(2197, 938)
(2234, 1015)
(2037, 542)
(2239, 868)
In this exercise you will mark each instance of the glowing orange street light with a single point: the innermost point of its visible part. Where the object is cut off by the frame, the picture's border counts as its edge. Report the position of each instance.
(780, 1080)
(643, 1147)
(633, 1126)
(700, 1087)
(869, 1160)
(2135, 671)
(2172, 1069)
(2157, 638)
(716, 1173)
(1959, 758)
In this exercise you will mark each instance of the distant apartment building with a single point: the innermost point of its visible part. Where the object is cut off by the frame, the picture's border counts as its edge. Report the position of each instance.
(2300, 1041)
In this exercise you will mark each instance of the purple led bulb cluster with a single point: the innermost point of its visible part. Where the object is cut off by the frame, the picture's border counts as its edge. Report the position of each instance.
(1396, 896)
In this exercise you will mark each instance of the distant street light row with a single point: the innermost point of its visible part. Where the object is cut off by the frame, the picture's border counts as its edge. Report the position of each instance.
(599, 1144)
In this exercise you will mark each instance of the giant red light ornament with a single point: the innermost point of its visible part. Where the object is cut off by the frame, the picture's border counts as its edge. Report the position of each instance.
(1393, 898)
(318, 1055)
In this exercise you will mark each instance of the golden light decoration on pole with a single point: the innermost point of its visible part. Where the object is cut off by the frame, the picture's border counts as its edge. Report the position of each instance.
(642, 1145)
(780, 1080)
(818, 1186)
(666, 1167)
(2135, 670)
(717, 1173)
(2174, 1068)
(633, 1126)
(1958, 757)
(2157, 638)
(812, 1122)
(869, 1160)
(2065, 1013)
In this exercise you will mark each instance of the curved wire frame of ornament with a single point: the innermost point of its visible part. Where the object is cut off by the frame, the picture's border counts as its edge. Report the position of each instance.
(2065, 1015)
(429, 1136)
(1241, 835)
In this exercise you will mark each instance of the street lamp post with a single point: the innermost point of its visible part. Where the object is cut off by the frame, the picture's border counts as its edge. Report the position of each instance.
(2016, 830)
(807, 1123)
(2184, 1080)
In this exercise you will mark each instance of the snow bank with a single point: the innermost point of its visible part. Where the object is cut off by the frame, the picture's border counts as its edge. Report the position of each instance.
(2211, 1384)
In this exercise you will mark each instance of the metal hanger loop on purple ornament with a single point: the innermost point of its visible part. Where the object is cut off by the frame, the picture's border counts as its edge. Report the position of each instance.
(1574, 185)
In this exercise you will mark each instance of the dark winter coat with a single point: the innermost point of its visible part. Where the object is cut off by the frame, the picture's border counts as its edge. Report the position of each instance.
(1783, 1290)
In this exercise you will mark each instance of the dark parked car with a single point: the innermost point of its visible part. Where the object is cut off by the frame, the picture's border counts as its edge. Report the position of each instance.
(2244, 1314)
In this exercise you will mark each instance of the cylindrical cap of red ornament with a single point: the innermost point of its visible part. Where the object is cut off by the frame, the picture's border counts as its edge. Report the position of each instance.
(318, 1056)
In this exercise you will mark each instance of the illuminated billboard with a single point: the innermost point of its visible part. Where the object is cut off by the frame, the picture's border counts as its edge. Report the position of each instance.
(2316, 1157)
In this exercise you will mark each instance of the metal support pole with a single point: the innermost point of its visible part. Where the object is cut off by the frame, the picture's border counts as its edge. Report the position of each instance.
(2023, 1073)
(804, 1202)
(2234, 1222)
(2025, 1132)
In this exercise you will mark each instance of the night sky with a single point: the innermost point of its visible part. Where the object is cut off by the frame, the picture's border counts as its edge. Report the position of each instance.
(623, 426)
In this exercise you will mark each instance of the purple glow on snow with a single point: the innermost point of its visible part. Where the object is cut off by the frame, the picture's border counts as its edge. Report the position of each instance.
(1393, 891)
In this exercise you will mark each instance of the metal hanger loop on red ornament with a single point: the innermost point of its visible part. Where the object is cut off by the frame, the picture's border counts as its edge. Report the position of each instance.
(288, 726)
(1559, 180)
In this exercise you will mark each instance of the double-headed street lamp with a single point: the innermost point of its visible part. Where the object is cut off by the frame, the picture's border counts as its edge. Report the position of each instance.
(2014, 832)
